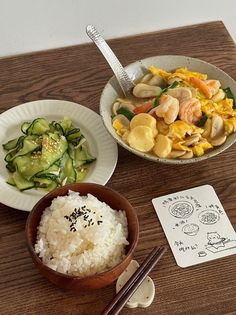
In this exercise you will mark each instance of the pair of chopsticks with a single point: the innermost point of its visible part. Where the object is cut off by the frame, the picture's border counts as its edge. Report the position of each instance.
(115, 306)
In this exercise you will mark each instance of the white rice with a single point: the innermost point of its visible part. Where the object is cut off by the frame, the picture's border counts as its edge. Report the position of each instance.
(83, 244)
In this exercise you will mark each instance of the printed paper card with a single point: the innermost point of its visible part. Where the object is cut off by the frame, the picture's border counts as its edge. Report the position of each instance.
(196, 225)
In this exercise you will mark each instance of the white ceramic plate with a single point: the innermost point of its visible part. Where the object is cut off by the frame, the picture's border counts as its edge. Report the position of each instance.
(101, 144)
(169, 63)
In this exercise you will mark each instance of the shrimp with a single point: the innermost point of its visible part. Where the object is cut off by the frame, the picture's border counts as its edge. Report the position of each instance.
(213, 85)
(190, 110)
(208, 87)
(168, 108)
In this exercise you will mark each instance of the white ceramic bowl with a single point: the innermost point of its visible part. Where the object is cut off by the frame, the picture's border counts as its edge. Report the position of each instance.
(136, 70)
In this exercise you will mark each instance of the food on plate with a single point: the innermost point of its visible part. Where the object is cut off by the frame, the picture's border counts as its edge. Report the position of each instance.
(208, 217)
(175, 115)
(190, 229)
(81, 236)
(47, 155)
(181, 209)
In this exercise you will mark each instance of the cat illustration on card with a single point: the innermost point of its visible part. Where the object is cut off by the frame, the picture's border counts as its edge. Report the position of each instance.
(215, 240)
(216, 243)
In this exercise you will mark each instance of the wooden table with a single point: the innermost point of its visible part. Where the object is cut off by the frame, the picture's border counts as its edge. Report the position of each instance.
(78, 74)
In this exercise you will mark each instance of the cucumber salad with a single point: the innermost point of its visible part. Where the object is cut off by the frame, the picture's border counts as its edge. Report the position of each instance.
(47, 155)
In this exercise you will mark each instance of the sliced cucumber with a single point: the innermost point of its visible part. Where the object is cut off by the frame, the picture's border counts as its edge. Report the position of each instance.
(25, 126)
(52, 150)
(46, 184)
(82, 155)
(29, 145)
(11, 181)
(47, 155)
(11, 167)
(74, 136)
(21, 183)
(10, 144)
(52, 172)
(56, 127)
(81, 174)
(53, 147)
(38, 127)
(67, 170)
(53, 185)
(14, 144)
(66, 124)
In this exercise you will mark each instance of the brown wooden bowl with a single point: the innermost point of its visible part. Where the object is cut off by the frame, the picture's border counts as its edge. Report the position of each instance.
(115, 201)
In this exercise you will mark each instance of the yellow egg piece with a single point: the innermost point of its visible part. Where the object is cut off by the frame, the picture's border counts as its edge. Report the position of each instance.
(181, 147)
(117, 124)
(201, 147)
(141, 138)
(179, 129)
(182, 73)
(196, 130)
(121, 132)
(225, 107)
(208, 106)
(186, 74)
(230, 125)
(156, 71)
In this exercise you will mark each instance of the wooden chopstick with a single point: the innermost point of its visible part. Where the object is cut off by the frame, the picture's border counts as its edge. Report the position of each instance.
(115, 306)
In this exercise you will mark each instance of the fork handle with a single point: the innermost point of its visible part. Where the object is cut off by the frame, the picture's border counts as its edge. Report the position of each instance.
(125, 82)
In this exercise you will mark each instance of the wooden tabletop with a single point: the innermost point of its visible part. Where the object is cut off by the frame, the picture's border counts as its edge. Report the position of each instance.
(79, 74)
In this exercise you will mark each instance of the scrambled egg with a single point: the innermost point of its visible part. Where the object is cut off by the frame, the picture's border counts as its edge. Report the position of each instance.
(179, 129)
(201, 147)
(181, 147)
(230, 125)
(223, 108)
(181, 73)
(118, 126)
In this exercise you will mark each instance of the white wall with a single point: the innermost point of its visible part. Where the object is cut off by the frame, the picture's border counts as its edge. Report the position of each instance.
(31, 25)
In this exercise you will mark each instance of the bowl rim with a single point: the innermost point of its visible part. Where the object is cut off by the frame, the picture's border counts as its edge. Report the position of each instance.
(73, 277)
(153, 158)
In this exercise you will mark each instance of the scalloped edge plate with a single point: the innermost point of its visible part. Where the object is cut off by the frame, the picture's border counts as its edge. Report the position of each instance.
(101, 144)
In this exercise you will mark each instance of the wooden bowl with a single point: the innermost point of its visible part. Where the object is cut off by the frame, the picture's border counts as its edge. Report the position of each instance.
(115, 201)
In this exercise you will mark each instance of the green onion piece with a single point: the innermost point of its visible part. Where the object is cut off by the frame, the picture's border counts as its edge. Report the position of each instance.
(156, 101)
(203, 120)
(113, 116)
(200, 95)
(127, 113)
(230, 95)
(174, 85)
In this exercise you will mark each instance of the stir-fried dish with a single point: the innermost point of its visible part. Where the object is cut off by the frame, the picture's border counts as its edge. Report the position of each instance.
(47, 155)
(180, 114)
